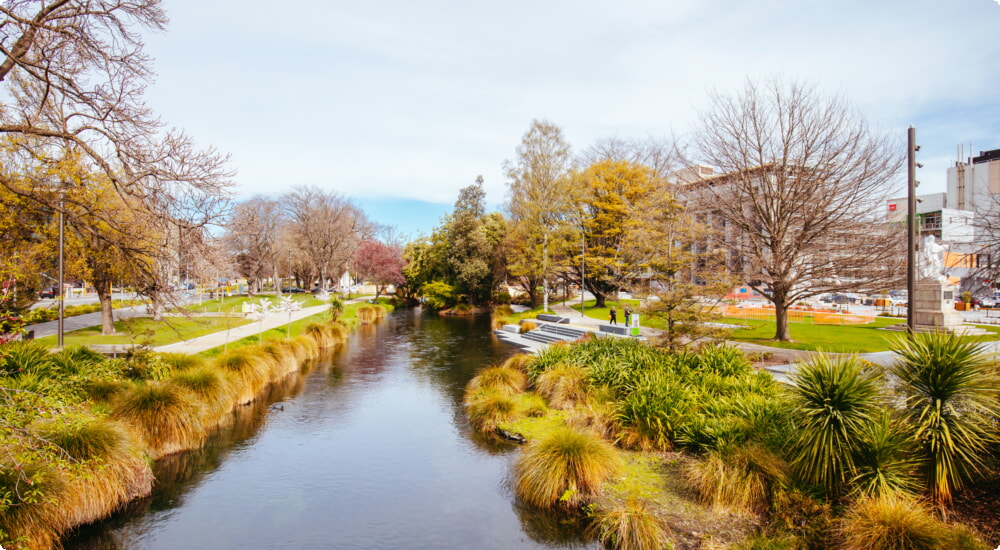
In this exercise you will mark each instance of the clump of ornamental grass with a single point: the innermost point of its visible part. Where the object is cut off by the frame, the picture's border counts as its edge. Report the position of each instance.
(629, 525)
(102, 390)
(107, 469)
(370, 314)
(892, 522)
(29, 511)
(250, 374)
(596, 413)
(564, 385)
(517, 362)
(305, 347)
(325, 335)
(742, 478)
(488, 409)
(565, 467)
(166, 417)
(213, 388)
(651, 415)
(24, 356)
(528, 325)
(73, 360)
(280, 359)
(500, 378)
(777, 541)
(183, 361)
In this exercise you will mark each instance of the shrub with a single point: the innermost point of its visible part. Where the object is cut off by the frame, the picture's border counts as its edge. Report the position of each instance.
(488, 409)
(167, 418)
(502, 379)
(834, 403)
(183, 361)
(28, 509)
(109, 469)
(248, 371)
(102, 390)
(951, 394)
(528, 325)
(891, 523)
(565, 466)
(564, 385)
(744, 478)
(212, 387)
(650, 416)
(630, 526)
(23, 357)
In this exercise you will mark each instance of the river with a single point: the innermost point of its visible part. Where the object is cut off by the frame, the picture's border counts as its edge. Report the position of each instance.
(370, 449)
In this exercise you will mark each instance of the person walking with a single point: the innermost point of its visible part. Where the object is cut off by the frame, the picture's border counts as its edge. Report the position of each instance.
(613, 316)
(628, 316)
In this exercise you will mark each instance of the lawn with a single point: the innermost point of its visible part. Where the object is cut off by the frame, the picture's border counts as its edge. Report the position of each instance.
(234, 304)
(143, 330)
(805, 336)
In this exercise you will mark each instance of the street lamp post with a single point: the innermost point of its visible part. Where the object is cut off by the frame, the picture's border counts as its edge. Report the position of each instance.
(62, 297)
(583, 269)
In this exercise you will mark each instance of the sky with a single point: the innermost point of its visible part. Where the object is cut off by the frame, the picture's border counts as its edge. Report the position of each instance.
(399, 104)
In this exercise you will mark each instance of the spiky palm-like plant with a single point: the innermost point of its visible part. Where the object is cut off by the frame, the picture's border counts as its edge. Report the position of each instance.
(951, 395)
(884, 461)
(834, 402)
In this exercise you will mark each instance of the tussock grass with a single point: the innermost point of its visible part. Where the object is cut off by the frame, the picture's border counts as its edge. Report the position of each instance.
(167, 418)
(326, 335)
(102, 390)
(630, 525)
(564, 385)
(519, 362)
(30, 511)
(488, 409)
(742, 479)
(250, 373)
(369, 314)
(500, 378)
(213, 388)
(183, 361)
(75, 359)
(892, 523)
(528, 325)
(305, 347)
(565, 467)
(109, 469)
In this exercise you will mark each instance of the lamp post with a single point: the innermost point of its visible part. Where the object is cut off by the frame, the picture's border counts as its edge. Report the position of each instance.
(62, 296)
(911, 224)
(583, 269)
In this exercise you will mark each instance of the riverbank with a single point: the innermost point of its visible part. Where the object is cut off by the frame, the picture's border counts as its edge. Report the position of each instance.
(698, 449)
(82, 449)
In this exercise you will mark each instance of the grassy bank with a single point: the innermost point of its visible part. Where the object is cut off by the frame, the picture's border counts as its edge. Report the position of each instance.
(78, 431)
(145, 331)
(690, 450)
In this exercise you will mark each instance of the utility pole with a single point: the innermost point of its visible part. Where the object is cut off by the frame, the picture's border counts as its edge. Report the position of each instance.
(911, 224)
(62, 290)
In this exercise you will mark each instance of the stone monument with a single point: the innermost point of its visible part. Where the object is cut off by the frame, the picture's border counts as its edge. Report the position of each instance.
(934, 299)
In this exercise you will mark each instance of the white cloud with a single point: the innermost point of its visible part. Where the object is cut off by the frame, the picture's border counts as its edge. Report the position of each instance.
(414, 99)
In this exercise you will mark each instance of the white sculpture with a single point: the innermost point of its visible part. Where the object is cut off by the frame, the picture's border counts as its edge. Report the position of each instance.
(929, 266)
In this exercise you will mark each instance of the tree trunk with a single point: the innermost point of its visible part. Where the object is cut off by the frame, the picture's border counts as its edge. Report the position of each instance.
(781, 333)
(157, 305)
(107, 313)
(599, 298)
(277, 281)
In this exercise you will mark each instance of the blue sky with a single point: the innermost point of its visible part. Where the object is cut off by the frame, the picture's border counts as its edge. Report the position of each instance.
(398, 104)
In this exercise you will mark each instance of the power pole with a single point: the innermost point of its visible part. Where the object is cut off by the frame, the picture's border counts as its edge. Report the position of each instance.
(911, 224)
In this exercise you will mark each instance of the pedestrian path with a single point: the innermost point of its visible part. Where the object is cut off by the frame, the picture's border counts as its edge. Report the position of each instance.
(219, 339)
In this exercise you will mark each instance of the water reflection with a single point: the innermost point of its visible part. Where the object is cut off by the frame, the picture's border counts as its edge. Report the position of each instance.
(369, 449)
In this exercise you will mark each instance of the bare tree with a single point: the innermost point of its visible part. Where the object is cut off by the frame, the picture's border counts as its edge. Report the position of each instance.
(661, 156)
(253, 238)
(327, 228)
(803, 177)
(74, 73)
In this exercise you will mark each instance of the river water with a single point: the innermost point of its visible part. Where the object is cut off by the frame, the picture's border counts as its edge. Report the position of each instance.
(370, 449)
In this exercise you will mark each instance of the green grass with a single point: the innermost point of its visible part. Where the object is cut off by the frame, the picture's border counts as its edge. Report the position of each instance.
(145, 330)
(602, 313)
(234, 304)
(830, 338)
(349, 318)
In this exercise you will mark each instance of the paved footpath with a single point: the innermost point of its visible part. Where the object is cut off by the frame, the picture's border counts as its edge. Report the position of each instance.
(194, 345)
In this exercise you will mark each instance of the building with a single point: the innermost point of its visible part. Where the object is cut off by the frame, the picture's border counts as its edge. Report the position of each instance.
(955, 229)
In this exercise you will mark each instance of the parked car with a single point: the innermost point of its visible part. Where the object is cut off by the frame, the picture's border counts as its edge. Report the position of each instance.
(48, 293)
(292, 290)
(986, 301)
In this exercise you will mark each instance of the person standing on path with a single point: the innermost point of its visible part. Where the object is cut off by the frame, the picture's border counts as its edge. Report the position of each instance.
(613, 316)
(628, 316)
